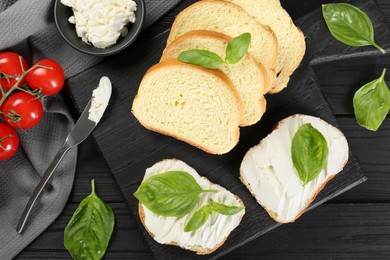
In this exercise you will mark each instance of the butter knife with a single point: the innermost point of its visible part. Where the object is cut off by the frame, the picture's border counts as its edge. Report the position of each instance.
(83, 128)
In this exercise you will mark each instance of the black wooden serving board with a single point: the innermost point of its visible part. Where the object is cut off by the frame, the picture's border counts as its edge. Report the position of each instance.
(129, 148)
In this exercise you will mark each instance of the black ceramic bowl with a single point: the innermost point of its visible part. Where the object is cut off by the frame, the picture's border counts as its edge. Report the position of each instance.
(68, 30)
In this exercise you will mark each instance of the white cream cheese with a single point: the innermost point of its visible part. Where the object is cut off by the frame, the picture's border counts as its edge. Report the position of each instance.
(270, 173)
(101, 22)
(171, 229)
(100, 97)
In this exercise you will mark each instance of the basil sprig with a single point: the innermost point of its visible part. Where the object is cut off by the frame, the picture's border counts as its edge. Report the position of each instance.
(309, 151)
(371, 103)
(349, 25)
(200, 217)
(170, 194)
(89, 230)
(235, 51)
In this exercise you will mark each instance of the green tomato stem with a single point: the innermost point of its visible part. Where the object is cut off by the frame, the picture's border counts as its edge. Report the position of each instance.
(3, 139)
(16, 85)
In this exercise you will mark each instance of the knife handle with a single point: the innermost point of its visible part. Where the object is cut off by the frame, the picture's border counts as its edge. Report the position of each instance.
(39, 188)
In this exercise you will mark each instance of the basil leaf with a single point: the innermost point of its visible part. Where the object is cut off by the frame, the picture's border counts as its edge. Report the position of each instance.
(203, 58)
(224, 209)
(349, 25)
(200, 217)
(89, 230)
(170, 194)
(371, 103)
(309, 151)
(237, 48)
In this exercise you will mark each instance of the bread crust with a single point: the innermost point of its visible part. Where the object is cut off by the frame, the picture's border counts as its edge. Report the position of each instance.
(198, 249)
(268, 80)
(280, 85)
(231, 5)
(268, 75)
(312, 198)
(219, 74)
(285, 73)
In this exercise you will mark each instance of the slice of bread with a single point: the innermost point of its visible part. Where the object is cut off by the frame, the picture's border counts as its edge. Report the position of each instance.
(231, 20)
(193, 104)
(247, 76)
(291, 40)
(170, 230)
(268, 172)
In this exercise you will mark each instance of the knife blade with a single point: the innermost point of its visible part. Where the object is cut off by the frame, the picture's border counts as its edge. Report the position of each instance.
(84, 126)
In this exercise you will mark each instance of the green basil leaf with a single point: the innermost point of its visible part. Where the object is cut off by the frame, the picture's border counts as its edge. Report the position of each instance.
(349, 25)
(89, 230)
(203, 58)
(309, 151)
(224, 209)
(198, 219)
(170, 194)
(237, 48)
(371, 103)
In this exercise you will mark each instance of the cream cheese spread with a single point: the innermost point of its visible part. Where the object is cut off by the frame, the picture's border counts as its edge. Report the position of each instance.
(168, 230)
(269, 171)
(101, 22)
(100, 97)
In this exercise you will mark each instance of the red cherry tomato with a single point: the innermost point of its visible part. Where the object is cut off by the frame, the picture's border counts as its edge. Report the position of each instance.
(10, 65)
(50, 81)
(9, 142)
(22, 110)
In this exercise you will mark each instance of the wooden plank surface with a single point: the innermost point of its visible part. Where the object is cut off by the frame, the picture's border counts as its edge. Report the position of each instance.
(129, 149)
(332, 231)
(355, 225)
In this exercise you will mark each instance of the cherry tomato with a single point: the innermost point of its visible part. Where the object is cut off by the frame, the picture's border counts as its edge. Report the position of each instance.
(22, 110)
(9, 142)
(10, 65)
(50, 81)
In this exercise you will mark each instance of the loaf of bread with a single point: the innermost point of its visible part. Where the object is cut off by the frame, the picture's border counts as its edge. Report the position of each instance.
(193, 104)
(248, 76)
(170, 230)
(291, 40)
(267, 169)
(232, 20)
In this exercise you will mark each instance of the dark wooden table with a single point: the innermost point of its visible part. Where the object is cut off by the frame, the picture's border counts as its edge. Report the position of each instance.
(355, 225)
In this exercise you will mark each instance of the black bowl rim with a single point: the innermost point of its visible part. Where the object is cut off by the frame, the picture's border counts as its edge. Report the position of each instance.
(108, 51)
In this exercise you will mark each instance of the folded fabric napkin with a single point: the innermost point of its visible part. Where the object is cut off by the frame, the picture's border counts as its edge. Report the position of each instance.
(27, 27)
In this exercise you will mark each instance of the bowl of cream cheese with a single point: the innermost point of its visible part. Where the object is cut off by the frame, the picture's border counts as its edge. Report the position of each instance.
(99, 27)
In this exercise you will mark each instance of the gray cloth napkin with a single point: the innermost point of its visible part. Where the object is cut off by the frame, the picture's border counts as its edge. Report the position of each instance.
(27, 27)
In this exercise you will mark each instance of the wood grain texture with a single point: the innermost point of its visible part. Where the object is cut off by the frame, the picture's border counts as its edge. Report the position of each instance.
(353, 231)
(342, 231)
(129, 148)
(329, 232)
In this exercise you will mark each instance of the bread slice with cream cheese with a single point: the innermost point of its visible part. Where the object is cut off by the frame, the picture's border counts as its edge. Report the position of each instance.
(170, 230)
(268, 172)
(291, 40)
(232, 20)
(193, 104)
(248, 76)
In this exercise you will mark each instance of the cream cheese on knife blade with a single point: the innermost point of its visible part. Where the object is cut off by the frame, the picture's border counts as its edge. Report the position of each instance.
(100, 98)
